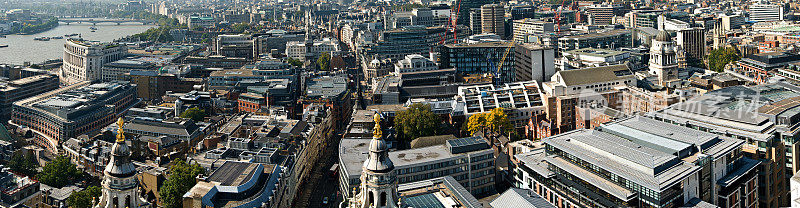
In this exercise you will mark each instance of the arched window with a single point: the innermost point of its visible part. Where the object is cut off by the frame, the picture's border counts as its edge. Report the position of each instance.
(115, 202)
(383, 199)
(370, 198)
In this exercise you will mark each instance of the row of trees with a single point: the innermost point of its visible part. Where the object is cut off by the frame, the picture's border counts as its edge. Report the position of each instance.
(24, 164)
(163, 20)
(57, 173)
(420, 121)
(295, 62)
(240, 28)
(28, 28)
(157, 34)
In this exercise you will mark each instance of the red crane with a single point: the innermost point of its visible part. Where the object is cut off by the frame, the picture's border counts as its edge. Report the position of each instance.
(452, 22)
(558, 17)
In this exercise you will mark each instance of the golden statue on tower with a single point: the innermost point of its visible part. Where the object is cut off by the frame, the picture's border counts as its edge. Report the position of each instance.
(120, 132)
(377, 133)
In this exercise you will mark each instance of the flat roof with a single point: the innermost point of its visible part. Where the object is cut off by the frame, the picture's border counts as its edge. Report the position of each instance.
(595, 52)
(595, 74)
(233, 173)
(535, 161)
(326, 86)
(353, 153)
(65, 102)
(596, 35)
(740, 110)
(424, 201)
(591, 178)
(493, 44)
(637, 150)
(520, 198)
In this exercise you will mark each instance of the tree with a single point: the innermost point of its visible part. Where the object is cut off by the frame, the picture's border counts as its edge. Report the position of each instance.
(476, 123)
(195, 114)
(295, 62)
(240, 27)
(498, 122)
(59, 172)
(180, 180)
(720, 57)
(160, 34)
(417, 121)
(83, 199)
(24, 164)
(557, 2)
(324, 61)
(495, 121)
(409, 7)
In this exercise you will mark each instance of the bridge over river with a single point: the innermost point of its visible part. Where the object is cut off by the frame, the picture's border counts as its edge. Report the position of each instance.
(94, 21)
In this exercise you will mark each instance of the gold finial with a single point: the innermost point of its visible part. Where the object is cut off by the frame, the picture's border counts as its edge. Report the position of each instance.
(120, 132)
(377, 133)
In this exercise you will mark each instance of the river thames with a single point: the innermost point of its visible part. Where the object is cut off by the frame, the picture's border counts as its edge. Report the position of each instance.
(22, 48)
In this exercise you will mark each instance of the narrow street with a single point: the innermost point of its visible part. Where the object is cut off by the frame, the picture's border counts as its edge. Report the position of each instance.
(327, 184)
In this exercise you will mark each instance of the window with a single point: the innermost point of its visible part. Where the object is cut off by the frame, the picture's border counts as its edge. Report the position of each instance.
(383, 199)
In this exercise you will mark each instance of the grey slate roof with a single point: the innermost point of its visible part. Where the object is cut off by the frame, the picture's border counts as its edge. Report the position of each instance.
(596, 74)
(697, 203)
(651, 168)
(520, 198)
(535, 160)
(739, 110)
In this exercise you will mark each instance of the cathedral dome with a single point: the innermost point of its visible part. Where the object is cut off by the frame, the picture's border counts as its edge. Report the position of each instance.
(663, 36)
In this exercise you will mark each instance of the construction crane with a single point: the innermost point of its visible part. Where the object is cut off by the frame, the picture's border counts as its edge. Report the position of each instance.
(496, 78)
(558, 17)
(454, 22)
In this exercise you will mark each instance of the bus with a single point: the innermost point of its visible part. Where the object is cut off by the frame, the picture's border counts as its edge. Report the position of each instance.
(334, 169)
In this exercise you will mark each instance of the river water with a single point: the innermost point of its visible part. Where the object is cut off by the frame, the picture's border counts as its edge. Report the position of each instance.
(22, 48)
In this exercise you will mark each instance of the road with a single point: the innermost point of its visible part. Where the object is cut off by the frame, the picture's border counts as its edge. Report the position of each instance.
(322, 153)
(326, 184)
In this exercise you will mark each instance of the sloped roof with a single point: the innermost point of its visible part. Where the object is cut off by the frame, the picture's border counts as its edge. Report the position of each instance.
(520, 198)
(431, 141)
(595, 75)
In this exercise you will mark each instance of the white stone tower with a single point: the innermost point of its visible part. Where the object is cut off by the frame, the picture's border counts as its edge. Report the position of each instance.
(119, 183)
(663, 58)
(378, 178)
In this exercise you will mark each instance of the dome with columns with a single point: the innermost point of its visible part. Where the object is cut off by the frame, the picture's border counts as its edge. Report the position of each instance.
(663, 36)
(119, 182)
(378, 187)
